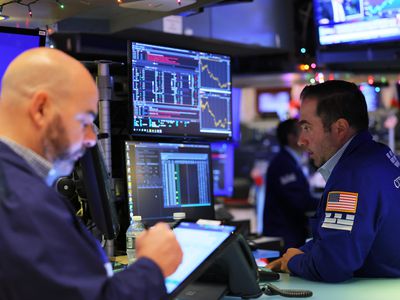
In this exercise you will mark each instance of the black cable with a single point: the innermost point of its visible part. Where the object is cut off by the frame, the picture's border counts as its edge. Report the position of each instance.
(271, 289)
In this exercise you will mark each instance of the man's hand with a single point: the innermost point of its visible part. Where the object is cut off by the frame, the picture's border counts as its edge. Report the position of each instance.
(281, 264)
(160, 245)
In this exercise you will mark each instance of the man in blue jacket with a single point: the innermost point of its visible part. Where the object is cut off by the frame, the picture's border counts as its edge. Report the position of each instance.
(287, 197)
(47, 107)
(356, 226)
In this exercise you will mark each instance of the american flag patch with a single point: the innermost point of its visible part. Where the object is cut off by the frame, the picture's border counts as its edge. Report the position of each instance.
(342, 202)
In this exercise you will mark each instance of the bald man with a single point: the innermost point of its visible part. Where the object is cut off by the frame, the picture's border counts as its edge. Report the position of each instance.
(47, 106)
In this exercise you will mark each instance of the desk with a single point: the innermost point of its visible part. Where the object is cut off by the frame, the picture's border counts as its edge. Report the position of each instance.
(354, 289)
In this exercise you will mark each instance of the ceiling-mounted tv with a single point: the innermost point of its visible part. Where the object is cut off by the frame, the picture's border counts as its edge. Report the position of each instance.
(357, 21)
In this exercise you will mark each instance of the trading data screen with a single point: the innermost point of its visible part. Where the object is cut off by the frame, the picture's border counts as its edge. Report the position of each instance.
(222, 165)
(178, 92)
(164, 178)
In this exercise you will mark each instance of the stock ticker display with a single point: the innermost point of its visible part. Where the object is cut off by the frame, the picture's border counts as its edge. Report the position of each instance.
(177, 92)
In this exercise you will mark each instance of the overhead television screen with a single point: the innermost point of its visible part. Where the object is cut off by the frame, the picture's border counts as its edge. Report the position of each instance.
(357, 21)
(178, 92)
(371, 96)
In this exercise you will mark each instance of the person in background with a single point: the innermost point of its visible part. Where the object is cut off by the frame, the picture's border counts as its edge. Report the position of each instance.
(287, 196)
(47, 107)
(357, 221)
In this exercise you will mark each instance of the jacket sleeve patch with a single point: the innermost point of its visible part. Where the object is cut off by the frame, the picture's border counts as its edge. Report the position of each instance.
(340, 221)
(342, 202)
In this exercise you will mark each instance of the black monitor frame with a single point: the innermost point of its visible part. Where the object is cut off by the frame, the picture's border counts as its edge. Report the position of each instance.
(177, 136)
(97, 186)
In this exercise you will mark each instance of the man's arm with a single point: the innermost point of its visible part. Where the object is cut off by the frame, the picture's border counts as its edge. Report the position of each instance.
(344, 238)
(281, 264)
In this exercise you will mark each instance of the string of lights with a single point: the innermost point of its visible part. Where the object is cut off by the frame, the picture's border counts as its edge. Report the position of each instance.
(27, 4)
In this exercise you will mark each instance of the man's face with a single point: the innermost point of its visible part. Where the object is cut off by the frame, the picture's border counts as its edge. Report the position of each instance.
(70, 132)
(318, 142)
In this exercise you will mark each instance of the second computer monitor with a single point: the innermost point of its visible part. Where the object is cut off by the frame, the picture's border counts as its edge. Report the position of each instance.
(164, 178)
(222, 162)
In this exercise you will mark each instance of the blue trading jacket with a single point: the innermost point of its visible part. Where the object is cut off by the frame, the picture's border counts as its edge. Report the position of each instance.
(45, 253)
(357, 226)
(287, 198)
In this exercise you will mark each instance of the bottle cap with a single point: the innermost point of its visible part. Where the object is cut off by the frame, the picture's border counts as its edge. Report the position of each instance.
(137, 218)
(179, 215)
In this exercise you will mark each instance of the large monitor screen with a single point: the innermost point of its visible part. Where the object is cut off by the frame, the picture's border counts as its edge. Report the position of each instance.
(164, 178)
(177, 92)
(222, 165)
(14, 41)
(357, 21)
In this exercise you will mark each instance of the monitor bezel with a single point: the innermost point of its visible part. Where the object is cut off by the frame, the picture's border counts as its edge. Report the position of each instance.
(155, 220)
(200, 137)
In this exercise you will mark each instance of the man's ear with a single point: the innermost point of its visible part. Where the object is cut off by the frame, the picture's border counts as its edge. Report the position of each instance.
(39, 109)
(341, 127)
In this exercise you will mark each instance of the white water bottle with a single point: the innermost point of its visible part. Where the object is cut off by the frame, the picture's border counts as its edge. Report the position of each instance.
(133, 231)
(177, 216)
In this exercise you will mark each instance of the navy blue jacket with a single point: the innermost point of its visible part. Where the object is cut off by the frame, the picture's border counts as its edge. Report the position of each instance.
(45, 253)
(357, 225)
(287, 198)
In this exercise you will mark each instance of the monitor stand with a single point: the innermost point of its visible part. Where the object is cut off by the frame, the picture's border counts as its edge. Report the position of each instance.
(201, 291)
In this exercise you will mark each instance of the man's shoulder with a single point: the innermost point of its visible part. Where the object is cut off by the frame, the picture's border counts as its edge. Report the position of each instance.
(371, 155)
(19, 183)
(283, 159)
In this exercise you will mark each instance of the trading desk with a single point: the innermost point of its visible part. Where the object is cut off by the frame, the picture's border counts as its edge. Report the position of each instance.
(354, 289)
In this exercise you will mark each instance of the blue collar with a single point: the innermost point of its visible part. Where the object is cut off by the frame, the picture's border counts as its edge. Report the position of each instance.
(40, 165)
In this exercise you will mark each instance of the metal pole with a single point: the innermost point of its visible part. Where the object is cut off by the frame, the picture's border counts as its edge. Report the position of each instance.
(104, 84)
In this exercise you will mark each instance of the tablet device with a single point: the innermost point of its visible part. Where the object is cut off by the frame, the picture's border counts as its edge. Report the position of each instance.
(201, 244)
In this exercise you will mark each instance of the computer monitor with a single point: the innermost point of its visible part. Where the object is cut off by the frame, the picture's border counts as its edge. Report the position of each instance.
(178, 92)
(164, 178)
(357, 21)
(222, 165)
(236, 103)
(274, 103)
(14, 41)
